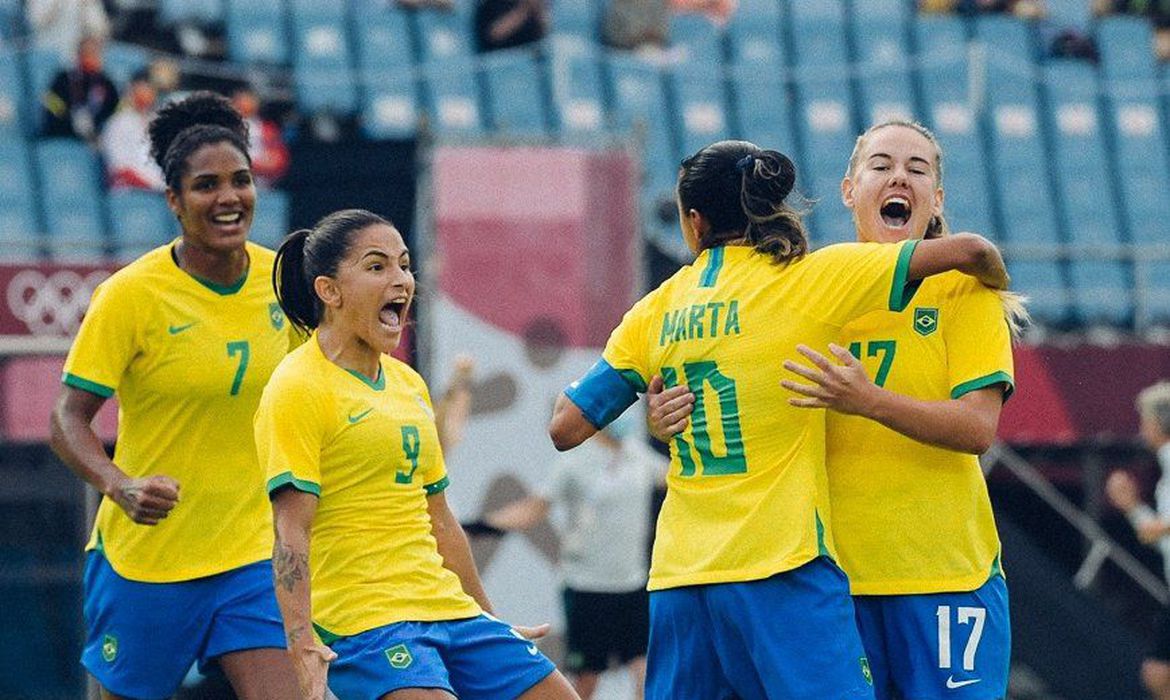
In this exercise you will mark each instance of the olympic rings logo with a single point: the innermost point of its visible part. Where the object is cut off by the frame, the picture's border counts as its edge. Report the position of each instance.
(52, 304)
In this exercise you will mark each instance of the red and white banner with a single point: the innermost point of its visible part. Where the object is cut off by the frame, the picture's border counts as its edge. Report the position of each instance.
(47, 300)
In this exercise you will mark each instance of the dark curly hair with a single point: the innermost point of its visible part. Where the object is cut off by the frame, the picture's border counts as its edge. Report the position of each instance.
(180, 128)
(740, 188)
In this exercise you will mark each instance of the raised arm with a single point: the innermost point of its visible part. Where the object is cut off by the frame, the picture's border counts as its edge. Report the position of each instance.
(968, 253)
(293, 513)
(146, 500)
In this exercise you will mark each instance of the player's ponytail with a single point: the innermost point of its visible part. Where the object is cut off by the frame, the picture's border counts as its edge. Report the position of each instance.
(774, 228)
(740, 189)
(308, 254)
(294, 291)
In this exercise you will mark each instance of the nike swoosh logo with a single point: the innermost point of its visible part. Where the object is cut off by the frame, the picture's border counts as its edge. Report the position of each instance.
(175, 330)
(532, 650)
(952, 683)
(360, 416)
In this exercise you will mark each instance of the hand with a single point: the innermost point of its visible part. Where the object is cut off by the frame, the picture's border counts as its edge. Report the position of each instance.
(1151, 532)
(845, 388)
(147, 500)
(670, 409)
(312, 666)
(462, 369)
(531, 633)
(1122, 491)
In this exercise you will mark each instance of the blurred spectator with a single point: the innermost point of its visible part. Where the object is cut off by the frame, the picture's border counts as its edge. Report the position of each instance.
(1157, 10)
(62, 24)
(125, 144)
(504, 24)
(719, 11)
(1152, 526)
(1024, 9)
(270, 157)
(635, 24)
(604, 492)
(80, 99)
(166, 77)
(1073, 43)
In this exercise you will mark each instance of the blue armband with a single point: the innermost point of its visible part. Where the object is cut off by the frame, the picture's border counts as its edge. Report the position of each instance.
(604, 393)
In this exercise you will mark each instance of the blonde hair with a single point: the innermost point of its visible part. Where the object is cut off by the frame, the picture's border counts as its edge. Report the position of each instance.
(937, 228)
(1154, 402)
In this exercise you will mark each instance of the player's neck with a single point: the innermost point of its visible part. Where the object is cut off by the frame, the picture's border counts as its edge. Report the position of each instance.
(222, 268)
(348, 351)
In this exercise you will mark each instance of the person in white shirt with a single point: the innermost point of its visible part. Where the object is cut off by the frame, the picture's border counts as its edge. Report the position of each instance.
(1151, 524)
(604, 529)
(125, 143)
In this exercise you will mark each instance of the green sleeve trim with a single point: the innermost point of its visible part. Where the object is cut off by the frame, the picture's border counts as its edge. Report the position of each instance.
(287, 479)
(633, 379)
(86, 385)
(326, 636)
(438, 486)
(984, 382)
(903, 289)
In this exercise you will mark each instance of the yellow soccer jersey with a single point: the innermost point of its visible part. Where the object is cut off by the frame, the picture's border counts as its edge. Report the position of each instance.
(370, 452)
(909, 517)
(746, 495)
(187, 360)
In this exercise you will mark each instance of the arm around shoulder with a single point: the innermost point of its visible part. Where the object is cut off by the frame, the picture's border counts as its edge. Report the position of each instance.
(968, 253)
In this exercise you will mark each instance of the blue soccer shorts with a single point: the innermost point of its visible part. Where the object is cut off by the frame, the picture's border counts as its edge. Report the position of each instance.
(477, 658)
(141, 638)
(936, 646)
(791, 636)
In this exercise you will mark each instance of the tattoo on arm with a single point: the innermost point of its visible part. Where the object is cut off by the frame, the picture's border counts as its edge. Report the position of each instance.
(289, 566)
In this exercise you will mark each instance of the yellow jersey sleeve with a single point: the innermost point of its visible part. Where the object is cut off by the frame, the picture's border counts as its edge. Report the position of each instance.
(852, 279)
(107, 341)
(290, 430)
(625, 350)
(612, 385)
(979, 347)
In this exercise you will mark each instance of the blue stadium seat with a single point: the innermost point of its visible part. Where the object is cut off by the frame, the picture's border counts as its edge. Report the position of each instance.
(1102, 291)
(257, 32)
(639, 108)
(763, 108)
(1145, 179)
(172, 12)
(139, 221)
(698, 40)
(318, 11)
(1081, 165)
(43, 65)
(1042, 281)
(270, 218)
(1069, 13)
(123, 60)
(383, 39)
(1153, 289)
(825, 120)
(818, 35)
(701, 111)
(451, 96)
(71, 199)
(940, 39)
(880, 38)
(1007, 39)
(443, 35)
(18, 216)
(575, 76)
(754, 35)
(576, 17)
(389, 108)
(1126, 44)
(12, 109)
(516, 92)
(321, 62)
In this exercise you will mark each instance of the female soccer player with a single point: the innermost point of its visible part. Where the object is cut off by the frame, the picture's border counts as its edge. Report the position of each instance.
(911, 515)
(746, 599)
(348, 439)
(186, 336)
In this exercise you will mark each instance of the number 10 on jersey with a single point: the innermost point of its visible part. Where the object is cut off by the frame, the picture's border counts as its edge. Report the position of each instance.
(699, 376)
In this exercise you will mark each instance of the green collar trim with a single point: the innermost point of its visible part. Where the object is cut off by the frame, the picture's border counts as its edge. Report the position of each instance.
(220, 289)
(377, 384)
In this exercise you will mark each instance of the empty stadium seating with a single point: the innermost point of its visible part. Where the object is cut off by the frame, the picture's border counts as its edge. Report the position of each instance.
(1064, 163)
